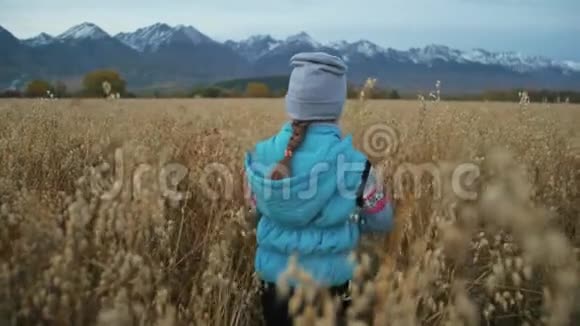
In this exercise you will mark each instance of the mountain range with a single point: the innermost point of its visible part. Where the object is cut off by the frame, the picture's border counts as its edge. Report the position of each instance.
(161, 55)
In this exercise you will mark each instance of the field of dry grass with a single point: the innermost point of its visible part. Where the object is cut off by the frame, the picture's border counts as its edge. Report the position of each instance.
(93, 230)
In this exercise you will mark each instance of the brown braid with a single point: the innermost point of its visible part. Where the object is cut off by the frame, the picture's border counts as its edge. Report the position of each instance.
(299, 129)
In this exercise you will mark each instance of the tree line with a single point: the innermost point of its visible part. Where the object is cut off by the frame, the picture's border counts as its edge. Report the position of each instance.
(265, 87)
(541, 95)
(92, 86)
(258, 89)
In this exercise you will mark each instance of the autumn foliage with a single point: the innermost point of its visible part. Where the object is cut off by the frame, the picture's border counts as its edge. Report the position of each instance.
(257, 90)
(93, 82)
(38, 88)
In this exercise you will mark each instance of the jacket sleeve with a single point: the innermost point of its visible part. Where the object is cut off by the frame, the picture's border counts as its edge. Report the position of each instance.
(377, 212)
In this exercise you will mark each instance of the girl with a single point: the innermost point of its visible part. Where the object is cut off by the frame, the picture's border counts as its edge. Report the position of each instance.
(313, 191)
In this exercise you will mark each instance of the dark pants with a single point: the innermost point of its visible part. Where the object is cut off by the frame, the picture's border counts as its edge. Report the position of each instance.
(275, 308)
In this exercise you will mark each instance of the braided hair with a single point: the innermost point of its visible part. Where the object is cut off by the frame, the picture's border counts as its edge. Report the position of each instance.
(282, 170)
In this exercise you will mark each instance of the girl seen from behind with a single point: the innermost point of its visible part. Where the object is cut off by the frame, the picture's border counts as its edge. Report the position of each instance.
(314, 193)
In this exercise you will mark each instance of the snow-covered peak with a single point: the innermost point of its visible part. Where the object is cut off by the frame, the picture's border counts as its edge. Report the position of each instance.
(154, 36)
(142, 38)
(363, 47)
(434, 52)
(265, 41)
(260, 40)
(571, 65)
(338, 45)
(84, 31)
(39, 40)
(255, 46)
(368, 48)
(513, 60)
(193, 34)
(303, 37)
(479, 55)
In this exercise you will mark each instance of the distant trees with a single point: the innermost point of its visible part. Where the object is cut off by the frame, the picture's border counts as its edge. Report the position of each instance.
(43, 88)
(385, 94)
(92, 86)
(93, 83)
(38, 88)
(377, 93)
(216, 92)
(257, 90)
(534, 96)
(279, 93)
(60, 89)
(10, 93)
(209, 92)
(352, 92)
(252, 89)
(212, 92)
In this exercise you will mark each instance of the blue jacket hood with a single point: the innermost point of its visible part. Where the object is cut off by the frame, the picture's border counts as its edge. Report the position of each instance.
(325, 170)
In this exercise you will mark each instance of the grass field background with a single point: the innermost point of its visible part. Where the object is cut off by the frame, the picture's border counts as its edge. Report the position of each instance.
(88, 235)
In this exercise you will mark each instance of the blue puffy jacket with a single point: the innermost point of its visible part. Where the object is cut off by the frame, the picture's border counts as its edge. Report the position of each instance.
(310, 213)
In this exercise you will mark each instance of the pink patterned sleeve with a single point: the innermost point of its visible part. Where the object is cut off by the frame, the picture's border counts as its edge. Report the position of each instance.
(377, 211)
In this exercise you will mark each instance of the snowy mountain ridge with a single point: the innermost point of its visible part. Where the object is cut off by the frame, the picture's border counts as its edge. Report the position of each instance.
(153, 37)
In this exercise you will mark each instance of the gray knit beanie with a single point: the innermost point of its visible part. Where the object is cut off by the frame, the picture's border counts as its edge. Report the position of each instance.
(317, 87)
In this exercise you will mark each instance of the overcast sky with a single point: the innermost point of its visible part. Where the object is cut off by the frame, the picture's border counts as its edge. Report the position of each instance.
(535, 27)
